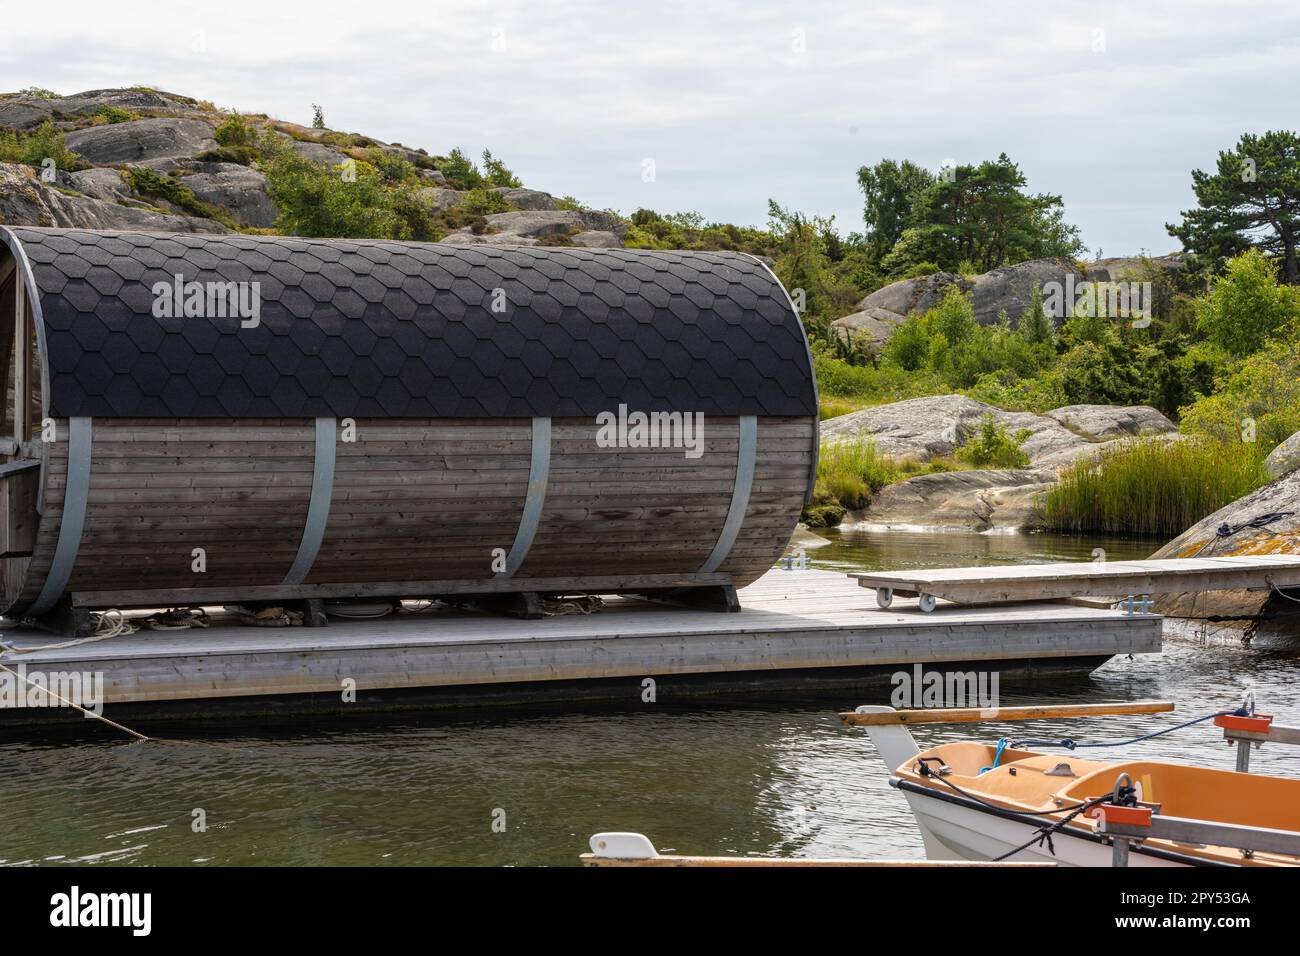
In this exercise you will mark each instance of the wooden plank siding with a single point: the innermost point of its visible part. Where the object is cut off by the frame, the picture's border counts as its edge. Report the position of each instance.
(423, 499)
(781, 483)
(642, 510)
(161, 488)
(414, 500)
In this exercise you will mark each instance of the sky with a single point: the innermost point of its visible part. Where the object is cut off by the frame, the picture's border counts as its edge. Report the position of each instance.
(720, 106)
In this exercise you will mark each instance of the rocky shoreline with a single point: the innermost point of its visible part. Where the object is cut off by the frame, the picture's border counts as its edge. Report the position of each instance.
(923, 429)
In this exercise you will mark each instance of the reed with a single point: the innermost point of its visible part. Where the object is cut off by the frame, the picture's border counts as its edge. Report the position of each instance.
(831, 407)
(1150, 486)
(850, 472)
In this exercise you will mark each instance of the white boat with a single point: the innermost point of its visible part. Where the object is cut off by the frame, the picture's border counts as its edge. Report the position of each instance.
(974, 801)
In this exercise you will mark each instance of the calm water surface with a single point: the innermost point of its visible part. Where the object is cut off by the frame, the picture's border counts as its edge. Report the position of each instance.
(735, 776)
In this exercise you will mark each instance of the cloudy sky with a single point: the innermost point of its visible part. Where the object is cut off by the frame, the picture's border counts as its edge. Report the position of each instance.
(732, 102)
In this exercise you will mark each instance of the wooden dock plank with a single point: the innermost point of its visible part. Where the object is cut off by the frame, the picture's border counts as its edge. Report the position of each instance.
(790, 620)
(990, 585)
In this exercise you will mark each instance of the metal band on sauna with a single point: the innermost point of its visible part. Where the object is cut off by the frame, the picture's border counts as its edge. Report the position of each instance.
(539, 473)
(318, 509)
(746, 453)
(74, 516)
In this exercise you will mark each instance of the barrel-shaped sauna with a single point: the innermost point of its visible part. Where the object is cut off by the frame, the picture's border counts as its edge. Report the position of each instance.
(228, 419)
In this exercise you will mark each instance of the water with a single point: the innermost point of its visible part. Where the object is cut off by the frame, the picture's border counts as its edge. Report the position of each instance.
(878, 550)
(730, 777)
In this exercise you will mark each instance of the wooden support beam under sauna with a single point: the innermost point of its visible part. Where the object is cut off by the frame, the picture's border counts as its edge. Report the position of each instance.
(397, 420)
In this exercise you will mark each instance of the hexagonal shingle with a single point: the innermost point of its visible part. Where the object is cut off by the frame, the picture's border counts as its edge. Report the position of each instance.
(367, 327)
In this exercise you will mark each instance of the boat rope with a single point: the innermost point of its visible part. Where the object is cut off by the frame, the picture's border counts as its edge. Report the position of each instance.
(1123, 794)
(1259, 522)
(1280, 592)
(997, 757)
(924, 771)
(1069, 743)
(1226, 530)
(7, 647)
(1043, 835)
(584, 604)
(63, 700)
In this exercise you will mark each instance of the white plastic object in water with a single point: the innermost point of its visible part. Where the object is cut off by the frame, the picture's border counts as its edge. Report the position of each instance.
(623, 846)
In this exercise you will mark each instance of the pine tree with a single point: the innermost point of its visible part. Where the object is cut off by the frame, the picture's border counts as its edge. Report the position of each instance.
(1034, 325)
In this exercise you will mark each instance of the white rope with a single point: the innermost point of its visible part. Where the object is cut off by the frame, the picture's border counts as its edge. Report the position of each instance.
(555, 607)
(111, 623)
(106, 627)
(1280, 592)
(64, 700)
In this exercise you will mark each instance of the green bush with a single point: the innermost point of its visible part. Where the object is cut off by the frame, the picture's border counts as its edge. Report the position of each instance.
(393, 166)
(1153, 486)
(557, 239)
(11, 147)
(115, 114)
(352, 202)
(1258, 399)
(993, 446)
(648, 229)
(47, 142)
(236, 132)
(151, 183)
(1039, 394)
(868, 384)
(950, 344)
(1096, 374)
(239, 155)
(484, 202)
(1247, 305)
(460, 171)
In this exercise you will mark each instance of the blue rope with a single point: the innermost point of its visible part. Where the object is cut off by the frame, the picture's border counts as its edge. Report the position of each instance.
(1069, 743)
(997, 757)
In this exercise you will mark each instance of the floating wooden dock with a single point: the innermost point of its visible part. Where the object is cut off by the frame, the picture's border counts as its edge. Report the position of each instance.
(803, 628)
(1055, 582)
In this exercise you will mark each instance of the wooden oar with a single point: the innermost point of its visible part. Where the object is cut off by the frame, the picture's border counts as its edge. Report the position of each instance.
(971, 715)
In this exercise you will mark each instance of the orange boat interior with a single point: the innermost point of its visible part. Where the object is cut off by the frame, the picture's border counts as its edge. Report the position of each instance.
(1026, 780)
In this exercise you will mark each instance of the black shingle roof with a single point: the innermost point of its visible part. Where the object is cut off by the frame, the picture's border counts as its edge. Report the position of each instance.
(352, 328)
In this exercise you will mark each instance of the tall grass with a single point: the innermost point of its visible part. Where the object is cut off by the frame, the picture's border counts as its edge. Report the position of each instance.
(1153, 487)
(831, 407)
(850, 472)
